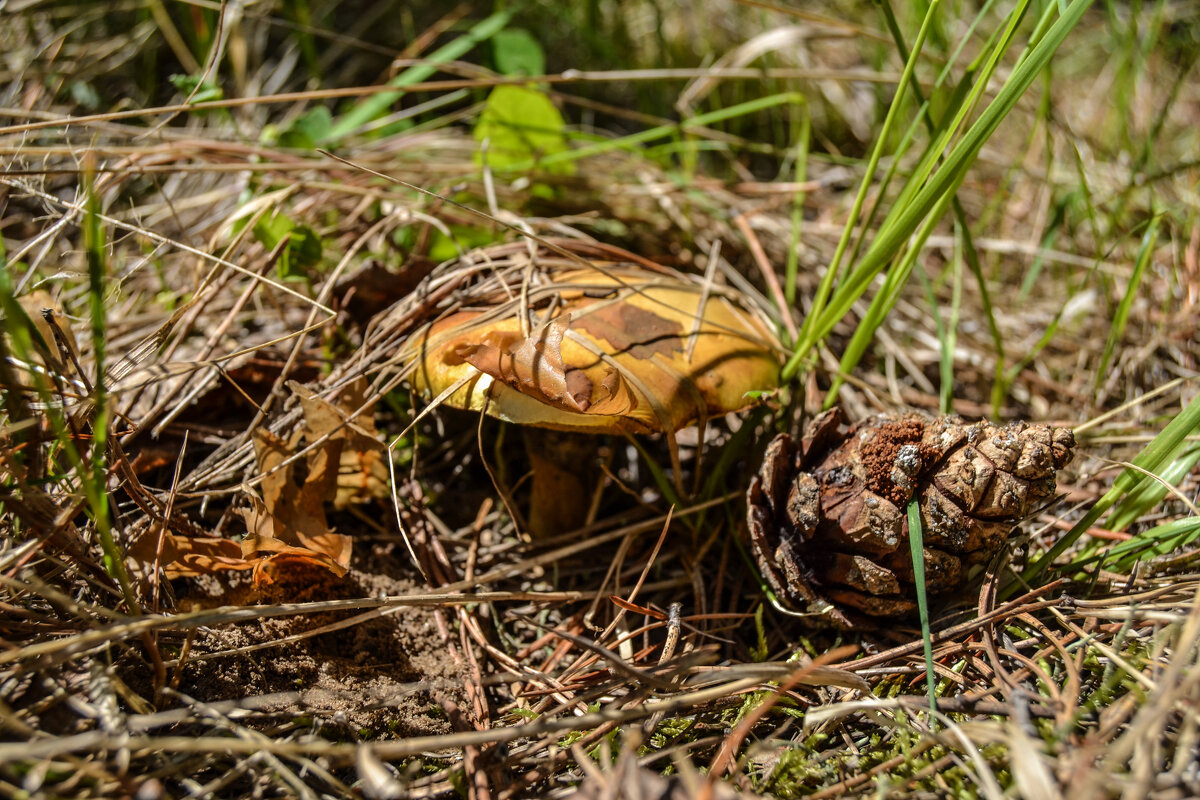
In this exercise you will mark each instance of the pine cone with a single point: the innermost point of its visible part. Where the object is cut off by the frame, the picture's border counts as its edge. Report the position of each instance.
(828, 515)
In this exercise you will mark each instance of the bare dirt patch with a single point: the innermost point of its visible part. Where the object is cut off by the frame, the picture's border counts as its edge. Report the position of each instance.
(378, 677)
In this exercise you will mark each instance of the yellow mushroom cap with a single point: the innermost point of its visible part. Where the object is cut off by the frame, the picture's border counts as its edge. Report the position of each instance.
(617, 348)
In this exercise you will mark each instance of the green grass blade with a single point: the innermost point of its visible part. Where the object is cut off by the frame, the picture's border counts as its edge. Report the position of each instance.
(882, 304)
(1047, 335)
(1160, 540)
(371, 107)
(948, 333)
(95, 478)
(1049, 234)
(807, 337)
(904, 219)
(17, 342)
(1121, 317)
(1142, 500)
(801, 175)
(916, 541)
(1167, 446)
(664, 131)
(967, 251)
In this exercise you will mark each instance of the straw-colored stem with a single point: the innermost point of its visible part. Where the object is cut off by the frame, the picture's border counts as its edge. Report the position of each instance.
(564, 477)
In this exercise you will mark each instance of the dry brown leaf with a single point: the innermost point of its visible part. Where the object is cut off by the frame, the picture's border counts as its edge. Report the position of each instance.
(266, 554)
(362, 472)
(291, 514)
(287, 526)
(190, 556)
(532, 366)
(293, 509)
(613, 397)
(346, 465)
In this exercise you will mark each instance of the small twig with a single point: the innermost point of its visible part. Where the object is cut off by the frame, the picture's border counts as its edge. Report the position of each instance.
(617, 663)
(769, 275)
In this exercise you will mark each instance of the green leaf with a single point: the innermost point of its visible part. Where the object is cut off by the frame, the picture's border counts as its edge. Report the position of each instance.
(516, 52)
(521, 125)
(85, 94)
(462, 238)
(306, 131)
(302, 251)
(186, 84)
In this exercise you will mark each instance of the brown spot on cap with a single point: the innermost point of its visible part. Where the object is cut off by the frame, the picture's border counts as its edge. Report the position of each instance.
(631, 329)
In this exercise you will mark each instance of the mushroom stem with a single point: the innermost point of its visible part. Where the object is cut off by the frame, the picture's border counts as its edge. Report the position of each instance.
(564, 478)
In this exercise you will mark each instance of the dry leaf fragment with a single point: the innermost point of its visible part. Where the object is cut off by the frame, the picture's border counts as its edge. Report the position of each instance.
(362, 473)
(286, 525)
(291, 513)
(532, 366)
(190, 556)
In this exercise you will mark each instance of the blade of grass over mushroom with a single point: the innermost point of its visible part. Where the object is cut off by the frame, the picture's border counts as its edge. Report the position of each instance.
(370, 108)
(661, 480)
(904, 219)
(1121, 317)
(483, 215)
(1160, 452)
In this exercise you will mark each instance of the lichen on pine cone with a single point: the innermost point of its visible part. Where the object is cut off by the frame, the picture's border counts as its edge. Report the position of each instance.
(828, 514)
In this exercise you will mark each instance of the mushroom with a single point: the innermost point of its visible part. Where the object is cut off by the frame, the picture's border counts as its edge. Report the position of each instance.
(608, 348)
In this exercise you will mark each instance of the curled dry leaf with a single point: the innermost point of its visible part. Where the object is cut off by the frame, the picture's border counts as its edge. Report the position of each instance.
(532, 366)
(827, 514)
(286, 525)
(362, 473)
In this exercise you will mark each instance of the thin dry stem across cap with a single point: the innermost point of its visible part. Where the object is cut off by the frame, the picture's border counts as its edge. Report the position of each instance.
(614, 348)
